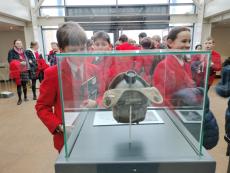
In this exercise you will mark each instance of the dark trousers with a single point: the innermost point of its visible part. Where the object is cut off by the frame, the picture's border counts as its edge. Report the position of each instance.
(34, 87)
(20, 88)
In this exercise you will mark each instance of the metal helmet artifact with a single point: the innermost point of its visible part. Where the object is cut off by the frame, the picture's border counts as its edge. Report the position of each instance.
(129, 96)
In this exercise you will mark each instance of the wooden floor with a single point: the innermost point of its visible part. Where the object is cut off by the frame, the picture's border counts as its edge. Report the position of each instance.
(26, 145)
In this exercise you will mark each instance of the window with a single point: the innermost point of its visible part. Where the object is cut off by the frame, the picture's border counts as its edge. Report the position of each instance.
(52, 11)
(142, 2)
(91, 2)
(182, 9)
(181, 1)
(53, 2)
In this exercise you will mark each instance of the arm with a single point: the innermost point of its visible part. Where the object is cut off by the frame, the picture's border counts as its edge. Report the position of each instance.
(11, 56)
(216, 60)
(47, 99)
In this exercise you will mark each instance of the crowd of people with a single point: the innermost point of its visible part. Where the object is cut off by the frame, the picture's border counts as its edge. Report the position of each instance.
(174, 76)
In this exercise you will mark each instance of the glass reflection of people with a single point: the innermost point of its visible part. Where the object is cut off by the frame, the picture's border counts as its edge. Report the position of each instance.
(71, 38)
(19, 69)
(173, 73)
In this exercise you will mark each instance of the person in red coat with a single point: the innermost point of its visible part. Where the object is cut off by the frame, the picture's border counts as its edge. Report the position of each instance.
(173, 73)
(199, 64)
(123, 64)
(71, 37)
(209, 44)
(19, 66)
(101, 42)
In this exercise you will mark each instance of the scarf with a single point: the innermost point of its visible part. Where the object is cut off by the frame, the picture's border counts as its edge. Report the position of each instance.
(20, 53)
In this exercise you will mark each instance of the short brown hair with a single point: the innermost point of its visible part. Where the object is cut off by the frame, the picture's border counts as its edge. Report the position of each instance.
(101, 35)
(147, 43)
(71, 34)
(33, 43)
(210, 38)
(123, 38)
(175, 31)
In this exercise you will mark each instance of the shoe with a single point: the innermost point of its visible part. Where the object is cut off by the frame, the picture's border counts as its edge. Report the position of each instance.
(35, 98)
(26, 99)
(19, 102)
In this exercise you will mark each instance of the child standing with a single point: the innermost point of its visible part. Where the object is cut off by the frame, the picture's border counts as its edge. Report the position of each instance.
(71, 38)
(19, 67)
(209, 44)
(173, 73)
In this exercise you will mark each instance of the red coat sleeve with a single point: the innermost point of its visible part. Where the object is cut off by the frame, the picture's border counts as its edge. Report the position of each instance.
(48, 99)
(216, 59)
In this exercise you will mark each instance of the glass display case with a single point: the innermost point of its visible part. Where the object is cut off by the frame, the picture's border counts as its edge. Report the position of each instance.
(133, 111)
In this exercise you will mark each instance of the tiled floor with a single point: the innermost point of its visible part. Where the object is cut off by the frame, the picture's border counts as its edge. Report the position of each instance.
(26, 145)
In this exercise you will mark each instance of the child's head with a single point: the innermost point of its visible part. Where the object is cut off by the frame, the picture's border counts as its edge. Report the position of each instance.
(179, 38)
(209, 43)
(71, 37)
(101, 41)
(89, 44)
(34, 45)
(147, 43)
(18, 44)
(123, 38)
(54, 46)
(156, 40)
(141, 36)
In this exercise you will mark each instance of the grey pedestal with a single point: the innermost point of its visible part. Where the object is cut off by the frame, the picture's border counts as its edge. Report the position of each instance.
(155, 148)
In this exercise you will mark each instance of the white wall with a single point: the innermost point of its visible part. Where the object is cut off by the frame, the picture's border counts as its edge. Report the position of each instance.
(15, 8)
(215, 7)
(7, 38)
(222, 39)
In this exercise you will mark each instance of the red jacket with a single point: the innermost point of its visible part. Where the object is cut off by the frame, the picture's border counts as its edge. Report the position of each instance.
(48, 105)
(103, 64)
(126, 46)
(170, 76)
(15, 71)
(216, 60)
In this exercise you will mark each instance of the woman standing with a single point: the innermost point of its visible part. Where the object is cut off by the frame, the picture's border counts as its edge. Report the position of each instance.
(19, 67)
(32, 55)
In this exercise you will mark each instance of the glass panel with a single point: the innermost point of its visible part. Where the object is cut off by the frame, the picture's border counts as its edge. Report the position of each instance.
(138, 91)
(182, 9)
(52, 11)
(53, 2)
(91, 2)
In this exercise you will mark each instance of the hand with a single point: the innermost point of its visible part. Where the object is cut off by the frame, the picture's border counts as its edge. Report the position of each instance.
(23, 63)
(59, 128)
(89, 104)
